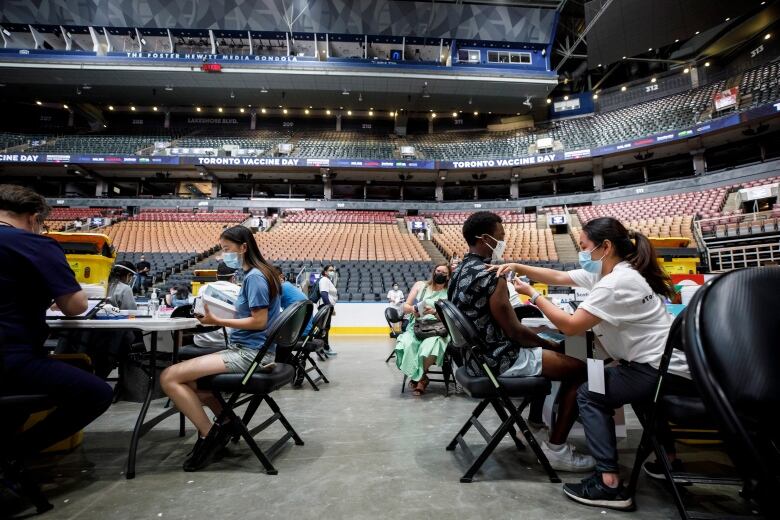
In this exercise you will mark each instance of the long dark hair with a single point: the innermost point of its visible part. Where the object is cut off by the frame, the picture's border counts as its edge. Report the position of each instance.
(242, 235)
(634, 248)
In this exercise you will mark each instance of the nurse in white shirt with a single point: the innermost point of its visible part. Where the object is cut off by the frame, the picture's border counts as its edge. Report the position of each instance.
(329, 295)
(626, 310)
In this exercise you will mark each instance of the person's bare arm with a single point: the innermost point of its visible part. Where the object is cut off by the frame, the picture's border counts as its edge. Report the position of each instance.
(72, 304)
(504, 314)
(409, 304)
(537, 274)
(568, 324)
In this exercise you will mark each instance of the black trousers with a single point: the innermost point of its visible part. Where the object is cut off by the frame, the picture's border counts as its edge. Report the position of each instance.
(79, 398)
(627, 383)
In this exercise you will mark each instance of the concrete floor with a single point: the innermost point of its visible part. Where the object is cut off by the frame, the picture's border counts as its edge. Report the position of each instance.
(370, 452)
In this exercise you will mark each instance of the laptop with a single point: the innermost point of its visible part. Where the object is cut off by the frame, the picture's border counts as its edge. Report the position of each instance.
(93, 306)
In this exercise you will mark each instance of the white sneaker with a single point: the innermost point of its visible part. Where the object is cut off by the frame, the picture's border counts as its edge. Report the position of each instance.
(567, 458)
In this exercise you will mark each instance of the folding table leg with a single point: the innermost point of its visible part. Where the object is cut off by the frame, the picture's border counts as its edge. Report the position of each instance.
(144, 408)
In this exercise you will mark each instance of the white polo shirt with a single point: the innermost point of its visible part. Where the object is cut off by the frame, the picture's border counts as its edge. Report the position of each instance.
(635, 323)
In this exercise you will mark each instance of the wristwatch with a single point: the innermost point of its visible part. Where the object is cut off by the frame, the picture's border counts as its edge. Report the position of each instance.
(534, 297)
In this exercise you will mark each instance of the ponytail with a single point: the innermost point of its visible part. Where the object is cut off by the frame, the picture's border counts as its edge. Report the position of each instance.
(242, 235)
(633, 247)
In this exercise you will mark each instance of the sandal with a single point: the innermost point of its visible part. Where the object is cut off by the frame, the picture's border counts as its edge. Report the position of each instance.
(421, 386)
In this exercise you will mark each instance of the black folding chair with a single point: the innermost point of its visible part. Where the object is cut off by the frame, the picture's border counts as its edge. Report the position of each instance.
(284, 332)
(491, 390)
(686, 412)
(190, 351)
(300, 353)
(735, 362)
(393, 317)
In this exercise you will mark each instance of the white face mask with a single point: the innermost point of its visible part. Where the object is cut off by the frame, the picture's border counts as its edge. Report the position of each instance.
(498, 249)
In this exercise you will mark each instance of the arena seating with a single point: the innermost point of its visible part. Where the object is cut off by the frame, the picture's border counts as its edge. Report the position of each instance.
(225, 217)
(340, 241)
(760, 85)
(352, 217)
(101, 144)
(343, 144)
(459, 217)
(265, 140)
(9, 140)
(524, 241)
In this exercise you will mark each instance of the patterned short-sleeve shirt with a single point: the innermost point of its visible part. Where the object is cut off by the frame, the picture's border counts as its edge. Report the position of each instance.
(470, 290)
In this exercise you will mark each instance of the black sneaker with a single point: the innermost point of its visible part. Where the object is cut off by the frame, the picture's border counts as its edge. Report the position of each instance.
(206, 450)
(592, 491)
(655, 470)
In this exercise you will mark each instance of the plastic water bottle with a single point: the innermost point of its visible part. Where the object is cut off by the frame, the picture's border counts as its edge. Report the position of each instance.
(154, 305)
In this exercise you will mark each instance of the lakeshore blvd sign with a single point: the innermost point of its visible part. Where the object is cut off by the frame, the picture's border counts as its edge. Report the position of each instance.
(202, 56)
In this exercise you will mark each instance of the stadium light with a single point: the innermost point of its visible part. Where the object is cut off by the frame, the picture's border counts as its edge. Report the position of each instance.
(241, 110)
(476, 114)
(284, 111)
(306, 111)
(565, 98)
(38, 103)
(132, 108)
(433, 115)
(219, 110)
(697, 33)
(154, 108)
(677, 40)
(595, 96)
(327, 112)
(686, 70)
(262, 110)
(549, 101)
(168, 88)
(624, 57)
(65, 107)
(653, 80)
(264, 90)
(706, 63)
(197, 109)
(371, 112)
(349, 112)
(728, 18)
(454, 114)
(767, 36)
(623, 88)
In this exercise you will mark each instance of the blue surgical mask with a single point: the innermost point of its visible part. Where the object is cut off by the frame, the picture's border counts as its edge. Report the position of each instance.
(587, 262)
(231, 260)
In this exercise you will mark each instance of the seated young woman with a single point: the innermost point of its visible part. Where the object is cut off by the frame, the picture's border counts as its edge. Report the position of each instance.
(414, 355)
(257, 306)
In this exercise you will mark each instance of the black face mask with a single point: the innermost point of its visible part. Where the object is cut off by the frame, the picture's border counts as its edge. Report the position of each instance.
(439, 278)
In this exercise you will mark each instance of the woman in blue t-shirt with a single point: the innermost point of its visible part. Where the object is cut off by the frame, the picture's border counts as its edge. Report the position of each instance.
(257, 306)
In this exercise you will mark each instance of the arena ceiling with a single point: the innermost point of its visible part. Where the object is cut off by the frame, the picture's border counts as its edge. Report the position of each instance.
(324, 89)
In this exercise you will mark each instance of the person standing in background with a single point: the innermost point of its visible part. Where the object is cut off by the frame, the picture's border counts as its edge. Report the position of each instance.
(328, 295)
(142, 268)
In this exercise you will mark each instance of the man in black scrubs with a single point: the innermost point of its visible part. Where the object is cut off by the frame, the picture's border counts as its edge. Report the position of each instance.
(34, 274)
(142, 268)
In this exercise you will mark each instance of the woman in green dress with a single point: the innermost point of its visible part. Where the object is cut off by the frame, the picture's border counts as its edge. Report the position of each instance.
(414, 356)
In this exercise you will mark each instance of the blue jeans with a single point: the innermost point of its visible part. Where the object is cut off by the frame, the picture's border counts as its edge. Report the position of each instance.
(627, 383)
(79, 398)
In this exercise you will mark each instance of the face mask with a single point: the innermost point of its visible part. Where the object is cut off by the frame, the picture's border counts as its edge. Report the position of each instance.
(231, 260)
(331, 273)
(498, 249)
(588, 264)
(439, 278)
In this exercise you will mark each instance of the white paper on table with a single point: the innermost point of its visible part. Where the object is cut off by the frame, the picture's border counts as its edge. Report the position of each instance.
(596, 376)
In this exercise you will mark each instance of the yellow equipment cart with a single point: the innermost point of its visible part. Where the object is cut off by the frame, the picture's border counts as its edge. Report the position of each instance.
(90, 255)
